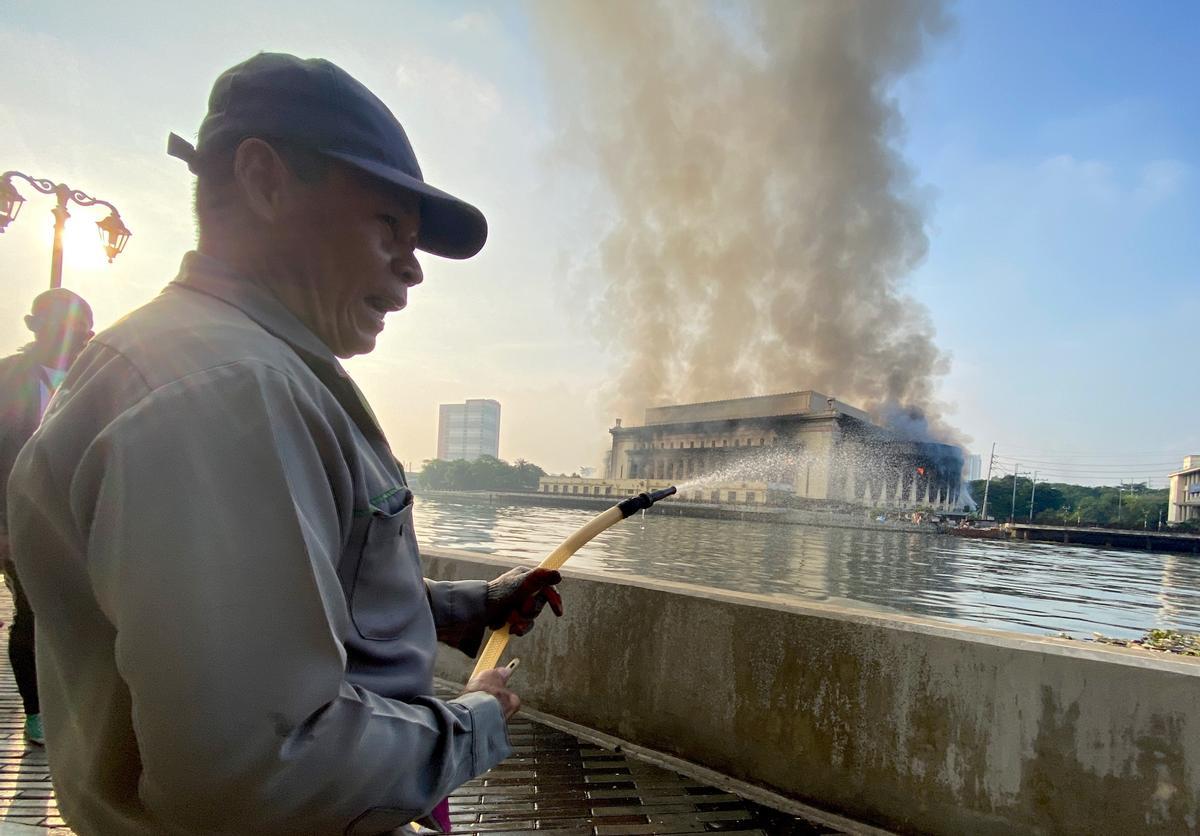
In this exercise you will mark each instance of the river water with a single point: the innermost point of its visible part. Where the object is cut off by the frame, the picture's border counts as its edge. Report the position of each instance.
(1037, 588)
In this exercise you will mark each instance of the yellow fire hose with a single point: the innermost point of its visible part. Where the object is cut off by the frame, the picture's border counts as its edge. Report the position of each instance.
(490, 657)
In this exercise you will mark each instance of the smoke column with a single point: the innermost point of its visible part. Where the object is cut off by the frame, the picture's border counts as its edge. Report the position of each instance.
(764, 221)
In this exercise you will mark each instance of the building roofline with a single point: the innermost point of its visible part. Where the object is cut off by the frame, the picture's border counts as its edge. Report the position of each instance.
(745, 398)
(815, 402)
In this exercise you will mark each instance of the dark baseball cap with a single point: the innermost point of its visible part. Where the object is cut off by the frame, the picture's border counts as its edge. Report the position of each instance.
(315, 104)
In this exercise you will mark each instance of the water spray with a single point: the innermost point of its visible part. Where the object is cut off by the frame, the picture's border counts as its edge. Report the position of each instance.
(622, 510)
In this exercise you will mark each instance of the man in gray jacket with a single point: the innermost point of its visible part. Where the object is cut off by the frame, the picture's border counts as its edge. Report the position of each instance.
(234, 634)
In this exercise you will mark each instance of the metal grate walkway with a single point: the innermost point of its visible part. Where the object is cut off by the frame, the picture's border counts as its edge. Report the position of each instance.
(555, 783)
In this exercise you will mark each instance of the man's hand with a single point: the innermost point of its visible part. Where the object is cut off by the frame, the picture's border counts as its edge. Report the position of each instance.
(518, 596)
(495, 682)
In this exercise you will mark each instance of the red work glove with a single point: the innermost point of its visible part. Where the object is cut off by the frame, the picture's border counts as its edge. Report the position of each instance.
(518, 596)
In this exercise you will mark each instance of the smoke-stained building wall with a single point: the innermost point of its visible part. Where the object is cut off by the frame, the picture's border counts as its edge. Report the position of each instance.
(807, 445)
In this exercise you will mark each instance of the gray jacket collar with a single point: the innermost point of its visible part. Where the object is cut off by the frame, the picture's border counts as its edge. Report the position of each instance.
(204, 274)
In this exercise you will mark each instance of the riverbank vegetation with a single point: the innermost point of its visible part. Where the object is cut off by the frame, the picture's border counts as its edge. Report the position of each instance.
(1131, 505)
(485, 473)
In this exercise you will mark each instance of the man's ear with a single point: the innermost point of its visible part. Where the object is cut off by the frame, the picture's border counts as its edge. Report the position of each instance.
(262, 178)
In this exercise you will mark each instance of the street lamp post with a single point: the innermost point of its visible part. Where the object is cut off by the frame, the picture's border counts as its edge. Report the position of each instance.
(113, 231)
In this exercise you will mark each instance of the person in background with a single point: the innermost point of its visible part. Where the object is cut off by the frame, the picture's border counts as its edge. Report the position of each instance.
(234, 632)
(61, 323)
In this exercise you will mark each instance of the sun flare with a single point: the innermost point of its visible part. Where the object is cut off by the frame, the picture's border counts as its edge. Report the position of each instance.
(83, 249)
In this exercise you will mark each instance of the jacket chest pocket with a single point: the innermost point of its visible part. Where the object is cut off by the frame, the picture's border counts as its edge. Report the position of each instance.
(383, 579)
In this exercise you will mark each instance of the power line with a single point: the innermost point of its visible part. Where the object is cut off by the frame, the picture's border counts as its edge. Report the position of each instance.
(1086, 468)
(1045, 468)
(1066, 459)
(1095, 470)
(1101, 462)
(1126, 475)
(1173, 453)
(1012, 457)
(1126, 478)
(1074, 472)
(1091, 465)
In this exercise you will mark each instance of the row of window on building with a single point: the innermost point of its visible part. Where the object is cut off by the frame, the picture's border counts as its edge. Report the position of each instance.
(697, 496)
(682, 470)
(691, 445)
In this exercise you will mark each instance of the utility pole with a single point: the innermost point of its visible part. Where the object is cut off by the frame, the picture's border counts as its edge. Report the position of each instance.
(988, 484)
(1120, 489)
(1032, 494)
(1012, 509)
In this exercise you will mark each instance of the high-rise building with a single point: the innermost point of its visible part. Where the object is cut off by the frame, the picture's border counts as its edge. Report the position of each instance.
(469, 430)
(973, 468)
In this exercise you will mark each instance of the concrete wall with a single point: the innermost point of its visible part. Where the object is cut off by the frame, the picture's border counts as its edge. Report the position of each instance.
(897, 721)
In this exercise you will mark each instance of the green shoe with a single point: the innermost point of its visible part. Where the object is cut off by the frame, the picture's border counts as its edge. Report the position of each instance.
(33, 730)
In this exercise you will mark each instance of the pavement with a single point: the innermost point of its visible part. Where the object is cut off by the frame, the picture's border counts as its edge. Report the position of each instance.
(26, 796)
(555, 783)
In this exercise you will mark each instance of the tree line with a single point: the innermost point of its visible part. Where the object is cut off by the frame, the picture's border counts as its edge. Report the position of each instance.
(486, 473)
(1057, 503)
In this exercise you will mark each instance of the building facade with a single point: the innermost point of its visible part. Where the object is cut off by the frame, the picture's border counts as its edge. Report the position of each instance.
(802, 445)
(469, 430)
(1183, 504)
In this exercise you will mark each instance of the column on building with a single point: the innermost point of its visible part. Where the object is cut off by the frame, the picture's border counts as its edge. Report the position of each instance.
(815, 466)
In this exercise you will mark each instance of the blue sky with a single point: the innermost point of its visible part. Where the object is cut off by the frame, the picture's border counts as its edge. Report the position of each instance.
(1055, 145)
(1059, 141)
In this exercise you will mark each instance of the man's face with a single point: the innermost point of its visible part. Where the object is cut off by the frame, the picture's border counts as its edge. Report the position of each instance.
(352, 242)
(61, 331)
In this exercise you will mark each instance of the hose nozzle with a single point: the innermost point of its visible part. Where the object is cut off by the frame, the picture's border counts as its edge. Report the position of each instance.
(655, 496)
(643, 501)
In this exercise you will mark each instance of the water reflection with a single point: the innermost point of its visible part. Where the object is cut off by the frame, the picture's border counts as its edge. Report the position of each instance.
(1030, 587)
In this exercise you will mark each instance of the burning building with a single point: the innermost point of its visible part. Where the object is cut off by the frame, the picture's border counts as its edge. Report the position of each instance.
(806, 446)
